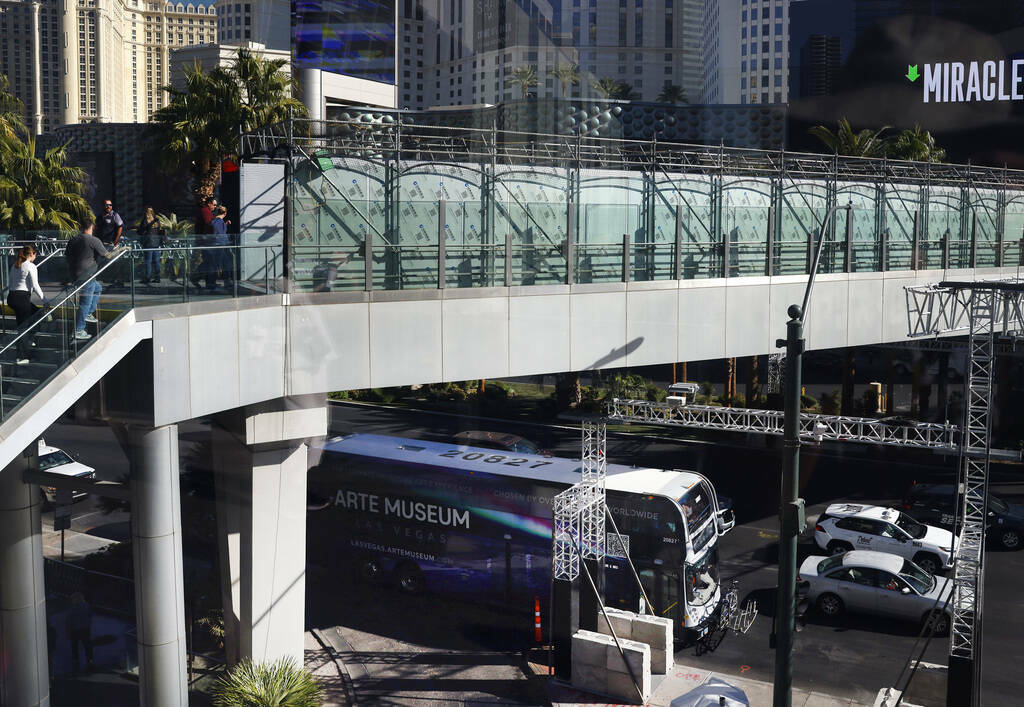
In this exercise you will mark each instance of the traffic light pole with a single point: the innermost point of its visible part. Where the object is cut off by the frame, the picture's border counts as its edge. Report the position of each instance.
(791, 508)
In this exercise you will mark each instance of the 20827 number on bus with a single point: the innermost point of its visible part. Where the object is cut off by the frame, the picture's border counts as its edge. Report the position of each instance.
(493, 458)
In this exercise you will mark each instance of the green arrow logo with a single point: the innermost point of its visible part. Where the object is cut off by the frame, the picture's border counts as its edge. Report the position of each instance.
(912, 72)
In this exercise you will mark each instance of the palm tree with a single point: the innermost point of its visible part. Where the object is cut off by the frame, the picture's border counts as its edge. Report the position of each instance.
(278, 684)
(39, 193)
(12, 112)
(266, 91)
(525, 77)
(671, 93)
(624, 91)
(917, 145)
(567, 75)
(606, 86)
(173, 226)
(202, 121)
(844, 141)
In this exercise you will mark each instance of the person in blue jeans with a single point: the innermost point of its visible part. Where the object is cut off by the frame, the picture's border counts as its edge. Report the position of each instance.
(220, 259)
(83, 253)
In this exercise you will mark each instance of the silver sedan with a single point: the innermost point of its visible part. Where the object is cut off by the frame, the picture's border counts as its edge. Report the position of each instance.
(869, 582)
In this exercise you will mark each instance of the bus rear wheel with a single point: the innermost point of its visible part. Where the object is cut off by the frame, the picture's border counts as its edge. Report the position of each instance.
(410, 579)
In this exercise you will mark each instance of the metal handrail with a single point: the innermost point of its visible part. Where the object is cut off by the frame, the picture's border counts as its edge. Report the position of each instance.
(42, 314)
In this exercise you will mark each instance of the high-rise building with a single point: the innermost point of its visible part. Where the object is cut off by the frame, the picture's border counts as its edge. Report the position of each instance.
(456, 52)
(746, 51)
(267, 22)
(822, 33)
(73, 61)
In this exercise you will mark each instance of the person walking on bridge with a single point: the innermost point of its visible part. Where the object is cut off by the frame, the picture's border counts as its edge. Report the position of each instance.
(83, 252)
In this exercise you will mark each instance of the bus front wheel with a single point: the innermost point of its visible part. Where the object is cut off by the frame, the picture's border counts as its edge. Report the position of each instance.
(410, 579)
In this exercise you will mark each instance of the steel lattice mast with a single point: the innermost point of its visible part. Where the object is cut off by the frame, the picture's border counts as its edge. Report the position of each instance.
(984, 309)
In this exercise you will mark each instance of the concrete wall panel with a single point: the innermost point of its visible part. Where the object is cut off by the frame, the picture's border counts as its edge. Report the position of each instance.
(864, 326)
(213, 362)
(598, 328)
(261, 350)
(701, 323)
(538, 334)
(405, 343)
(171, 396)
(652, 320)
(894, 312)
(475, 338)
(749, 329)
(328, 348)
(828, 317)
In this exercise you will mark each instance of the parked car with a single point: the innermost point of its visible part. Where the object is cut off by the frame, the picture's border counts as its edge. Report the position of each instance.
(498, 440)
(56, 461)
(879, 583)
(858, 526)
(937, 504)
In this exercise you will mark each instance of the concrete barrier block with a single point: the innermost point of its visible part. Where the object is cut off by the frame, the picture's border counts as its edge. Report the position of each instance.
(621, 621)
(656, 631)
(591, 648)
(620, 686)
(661, 662)
(637, 654)
(589, 678)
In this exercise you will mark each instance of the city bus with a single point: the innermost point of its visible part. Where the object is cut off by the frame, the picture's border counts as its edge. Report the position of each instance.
(468, 521)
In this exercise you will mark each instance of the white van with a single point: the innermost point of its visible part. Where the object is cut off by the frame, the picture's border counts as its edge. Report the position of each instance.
(682, 393)
(56, 461)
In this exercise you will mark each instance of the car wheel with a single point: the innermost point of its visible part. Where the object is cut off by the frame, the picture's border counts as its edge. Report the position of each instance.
(410, 579)
(937, 622)
(1010, 539)
(838, 547)
(928, 562)
(830, 605)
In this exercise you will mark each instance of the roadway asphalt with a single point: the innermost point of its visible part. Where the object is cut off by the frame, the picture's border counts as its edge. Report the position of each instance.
(853, 658)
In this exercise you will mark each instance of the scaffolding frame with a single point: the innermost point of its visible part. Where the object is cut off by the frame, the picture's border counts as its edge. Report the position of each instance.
(579, 511)
(984, 308)
(813, 427)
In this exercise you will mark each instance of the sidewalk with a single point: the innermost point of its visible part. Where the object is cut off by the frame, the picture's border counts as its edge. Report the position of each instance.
(322, 661)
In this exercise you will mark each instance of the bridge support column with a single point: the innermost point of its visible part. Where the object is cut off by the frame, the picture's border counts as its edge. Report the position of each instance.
(24, 672)
(159, 582)
(260, 464)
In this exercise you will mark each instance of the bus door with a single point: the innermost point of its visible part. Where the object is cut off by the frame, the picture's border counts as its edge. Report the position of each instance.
(662, 588)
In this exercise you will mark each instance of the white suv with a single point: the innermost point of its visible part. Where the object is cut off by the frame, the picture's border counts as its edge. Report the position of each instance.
(56, 461)
(857, 526)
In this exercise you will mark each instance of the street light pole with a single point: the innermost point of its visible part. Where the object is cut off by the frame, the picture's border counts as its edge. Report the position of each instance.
(791, 508)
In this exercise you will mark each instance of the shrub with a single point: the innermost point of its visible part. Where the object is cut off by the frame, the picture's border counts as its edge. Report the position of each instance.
(830, 403)
(627, 385)
(338, 395)
(807, 402)
(656, 394)
(278, 684)
(496, 390)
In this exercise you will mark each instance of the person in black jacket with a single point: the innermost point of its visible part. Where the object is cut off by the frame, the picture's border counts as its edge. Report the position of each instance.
(151, 241)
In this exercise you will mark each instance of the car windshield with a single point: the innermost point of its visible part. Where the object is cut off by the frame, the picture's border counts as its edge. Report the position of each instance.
(54, 459)
(702, 579)
(998, 505)
(696, 504)
(917, 577)
(829, 564)
(911, 527)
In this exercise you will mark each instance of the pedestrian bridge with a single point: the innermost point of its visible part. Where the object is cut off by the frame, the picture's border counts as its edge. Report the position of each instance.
(376, 254)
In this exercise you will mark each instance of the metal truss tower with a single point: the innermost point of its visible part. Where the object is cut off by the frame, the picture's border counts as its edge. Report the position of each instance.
(984, 308)
(579, 510)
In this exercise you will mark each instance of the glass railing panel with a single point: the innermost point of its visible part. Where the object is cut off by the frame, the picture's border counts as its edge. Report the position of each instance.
(985, 206)
(34, 352)
(537, 264)
(599, 262)
(474, 265)
(746, 228)
(901, 204)
(865, 243)
(652, 261)
(944, 226)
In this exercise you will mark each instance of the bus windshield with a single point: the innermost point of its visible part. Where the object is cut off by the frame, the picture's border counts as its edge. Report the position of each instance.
(698, 507)
(702, 579)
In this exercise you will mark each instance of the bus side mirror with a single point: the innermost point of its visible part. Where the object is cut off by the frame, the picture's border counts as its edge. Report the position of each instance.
(905, 590)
